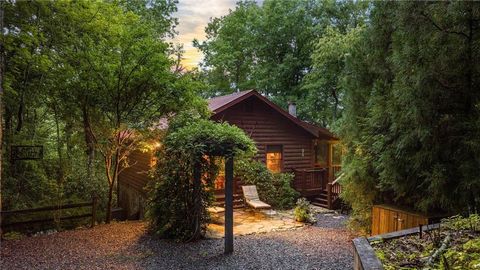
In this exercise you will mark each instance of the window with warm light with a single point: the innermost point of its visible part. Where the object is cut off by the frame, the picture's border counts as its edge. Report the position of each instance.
(274, 158)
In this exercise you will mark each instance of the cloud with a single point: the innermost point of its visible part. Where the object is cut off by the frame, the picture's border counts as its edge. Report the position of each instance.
(193, 16)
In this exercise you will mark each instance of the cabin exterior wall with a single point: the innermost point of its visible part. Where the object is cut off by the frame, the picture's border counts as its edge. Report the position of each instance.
(267, 127)
(131, 184)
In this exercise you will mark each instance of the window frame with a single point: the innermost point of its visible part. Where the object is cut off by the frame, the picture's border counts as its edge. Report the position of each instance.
(316, 143)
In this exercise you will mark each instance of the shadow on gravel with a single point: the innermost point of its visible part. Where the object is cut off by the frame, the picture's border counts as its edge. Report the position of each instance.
(331, 220)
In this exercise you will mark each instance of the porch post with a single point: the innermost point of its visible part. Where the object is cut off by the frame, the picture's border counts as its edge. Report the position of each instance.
(330, 162)
(229, 205)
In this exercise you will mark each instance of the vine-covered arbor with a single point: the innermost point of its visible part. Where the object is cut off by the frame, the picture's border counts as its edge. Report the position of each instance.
(185, 172)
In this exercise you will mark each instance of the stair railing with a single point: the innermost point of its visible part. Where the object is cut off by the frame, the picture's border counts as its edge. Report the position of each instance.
(333, 190)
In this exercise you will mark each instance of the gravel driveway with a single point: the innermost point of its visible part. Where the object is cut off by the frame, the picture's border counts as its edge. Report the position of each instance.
(126, 246)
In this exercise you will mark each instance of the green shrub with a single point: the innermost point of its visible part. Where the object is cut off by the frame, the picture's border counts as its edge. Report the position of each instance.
(273, 188)
(302, 211)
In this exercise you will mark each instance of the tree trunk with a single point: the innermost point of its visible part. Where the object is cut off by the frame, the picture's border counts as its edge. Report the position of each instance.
(335, 104)
(2, 67)
(59, 146)
(90, 143)
(112, 163)
(108, 217)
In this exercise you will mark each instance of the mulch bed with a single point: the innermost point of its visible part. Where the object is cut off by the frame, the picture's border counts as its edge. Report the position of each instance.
(126, 245)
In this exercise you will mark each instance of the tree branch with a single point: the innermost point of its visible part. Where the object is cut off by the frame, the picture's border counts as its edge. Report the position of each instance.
(441, 28)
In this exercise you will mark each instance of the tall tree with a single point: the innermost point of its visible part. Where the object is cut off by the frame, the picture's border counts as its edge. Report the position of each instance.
(265, 47)
(229, 52)
(270, 47)
(97, 70)
(411, 118)
(323, 85)
(121, 74)
(2, 51)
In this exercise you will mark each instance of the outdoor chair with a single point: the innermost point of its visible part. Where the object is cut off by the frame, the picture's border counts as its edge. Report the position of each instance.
(251, 198)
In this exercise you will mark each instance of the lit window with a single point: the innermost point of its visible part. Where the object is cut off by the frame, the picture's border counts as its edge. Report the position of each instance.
(274, 158)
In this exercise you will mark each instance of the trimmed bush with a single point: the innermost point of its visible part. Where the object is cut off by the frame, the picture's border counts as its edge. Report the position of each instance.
(273, 188)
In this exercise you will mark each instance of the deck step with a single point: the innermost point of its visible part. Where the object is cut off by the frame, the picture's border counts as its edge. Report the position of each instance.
(222, 196)
(320, 204)
(235, 205)
(320, 200)
(237, 200)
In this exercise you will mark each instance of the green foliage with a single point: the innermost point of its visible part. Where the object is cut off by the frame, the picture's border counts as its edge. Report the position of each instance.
(465, 257)
(324, 84)
(78, 74)
(458, 222)
(13, 236)
(273, 188)
(273, 47)
(302, 211)
(176, 208)
(410, 119)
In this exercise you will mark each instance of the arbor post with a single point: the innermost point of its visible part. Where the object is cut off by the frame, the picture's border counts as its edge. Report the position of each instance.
(229, 205)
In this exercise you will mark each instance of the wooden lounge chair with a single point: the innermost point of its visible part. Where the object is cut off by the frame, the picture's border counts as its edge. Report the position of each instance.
(251, 198)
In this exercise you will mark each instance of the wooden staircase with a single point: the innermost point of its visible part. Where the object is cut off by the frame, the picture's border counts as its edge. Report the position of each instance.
(320, 199)
(238, 201)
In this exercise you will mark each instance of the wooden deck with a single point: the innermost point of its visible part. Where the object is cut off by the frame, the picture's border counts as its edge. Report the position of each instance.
(316, 184)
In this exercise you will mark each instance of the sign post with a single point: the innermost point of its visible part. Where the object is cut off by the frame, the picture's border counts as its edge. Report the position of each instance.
(26, 152)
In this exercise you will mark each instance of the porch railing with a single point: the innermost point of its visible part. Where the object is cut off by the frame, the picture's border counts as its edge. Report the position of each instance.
(308, 179)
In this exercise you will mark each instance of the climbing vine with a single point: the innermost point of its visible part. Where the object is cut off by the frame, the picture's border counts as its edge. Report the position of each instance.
(192, 144)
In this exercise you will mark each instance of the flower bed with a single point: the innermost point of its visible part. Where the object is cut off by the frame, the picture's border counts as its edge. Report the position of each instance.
(453, 244)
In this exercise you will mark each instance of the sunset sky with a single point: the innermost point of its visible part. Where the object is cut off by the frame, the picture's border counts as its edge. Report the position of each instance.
(193, 16)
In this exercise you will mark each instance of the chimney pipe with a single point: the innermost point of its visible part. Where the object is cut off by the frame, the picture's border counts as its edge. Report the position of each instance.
(292, 108)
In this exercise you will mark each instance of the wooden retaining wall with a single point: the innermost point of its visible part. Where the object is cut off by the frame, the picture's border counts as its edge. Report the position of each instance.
(389, 218)
(364, 255)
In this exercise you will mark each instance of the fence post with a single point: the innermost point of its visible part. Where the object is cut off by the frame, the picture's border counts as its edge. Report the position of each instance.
(94, 209)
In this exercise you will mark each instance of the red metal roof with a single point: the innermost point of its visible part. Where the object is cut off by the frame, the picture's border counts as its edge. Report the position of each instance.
(219, 104)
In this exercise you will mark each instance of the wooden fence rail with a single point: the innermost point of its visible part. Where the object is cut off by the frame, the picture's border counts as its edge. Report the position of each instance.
(92, 204)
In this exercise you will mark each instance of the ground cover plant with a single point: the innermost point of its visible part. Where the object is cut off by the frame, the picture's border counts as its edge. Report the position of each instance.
(303, 212)
(456, 245)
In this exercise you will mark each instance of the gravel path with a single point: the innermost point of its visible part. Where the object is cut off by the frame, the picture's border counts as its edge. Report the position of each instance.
(126, 246)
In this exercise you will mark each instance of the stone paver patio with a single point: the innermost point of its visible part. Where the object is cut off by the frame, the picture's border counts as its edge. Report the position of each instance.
(247, 221)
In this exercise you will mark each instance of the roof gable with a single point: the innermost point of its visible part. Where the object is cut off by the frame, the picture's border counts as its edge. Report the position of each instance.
(219, 104)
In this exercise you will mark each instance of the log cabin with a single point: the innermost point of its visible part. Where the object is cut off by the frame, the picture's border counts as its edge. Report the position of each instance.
(284, 142)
